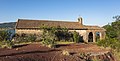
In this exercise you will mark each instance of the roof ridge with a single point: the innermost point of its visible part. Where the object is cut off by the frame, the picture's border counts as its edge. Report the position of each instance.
(47, 20)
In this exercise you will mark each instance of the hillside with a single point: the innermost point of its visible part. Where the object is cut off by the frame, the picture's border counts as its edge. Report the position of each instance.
(8, 25)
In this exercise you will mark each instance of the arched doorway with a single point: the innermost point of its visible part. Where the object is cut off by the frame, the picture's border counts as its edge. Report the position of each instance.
(90, 37)
(97, 36)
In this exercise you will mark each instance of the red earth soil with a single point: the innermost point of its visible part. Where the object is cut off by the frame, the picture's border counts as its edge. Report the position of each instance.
(38, 52)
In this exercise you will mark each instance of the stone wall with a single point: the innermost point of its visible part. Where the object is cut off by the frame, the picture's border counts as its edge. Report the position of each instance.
(28, 31)
(83, 33)
(102, 34)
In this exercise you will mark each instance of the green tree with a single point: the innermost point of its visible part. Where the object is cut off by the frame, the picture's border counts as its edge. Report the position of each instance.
(116, 26)
(112, 30)
(4, 35)
(112, 35)
(48, 36)
(5, 39)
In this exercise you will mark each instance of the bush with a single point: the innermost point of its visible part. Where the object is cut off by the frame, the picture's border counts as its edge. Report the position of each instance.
(24, 38)
(103, 43)
(5, 41)
(49, 43)
(110, 42)
(31, 38)
(6, 44)
(48, 36)
(38, 38)
(4, 35)
(76, 37)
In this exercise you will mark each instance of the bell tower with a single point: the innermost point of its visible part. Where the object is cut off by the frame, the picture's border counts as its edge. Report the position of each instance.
(80, 20)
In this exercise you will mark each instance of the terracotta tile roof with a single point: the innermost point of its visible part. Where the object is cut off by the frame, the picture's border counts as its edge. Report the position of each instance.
(94, 27)
(26, 24)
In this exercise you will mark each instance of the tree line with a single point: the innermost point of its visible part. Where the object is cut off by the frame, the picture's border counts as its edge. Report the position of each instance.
(112, 38)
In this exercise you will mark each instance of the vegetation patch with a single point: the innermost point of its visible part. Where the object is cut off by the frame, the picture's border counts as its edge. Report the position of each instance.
(65, 52)
(51, 35)
(60, 42)
(20, 38)
(112, 39)
(76, 37)
(5, 41)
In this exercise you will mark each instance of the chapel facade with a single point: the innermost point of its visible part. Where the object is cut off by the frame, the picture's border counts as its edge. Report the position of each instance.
(88, 33)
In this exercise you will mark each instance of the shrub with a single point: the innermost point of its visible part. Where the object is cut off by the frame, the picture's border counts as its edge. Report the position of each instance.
(76, 37)
(6, 44)
(38, 38)
(49, 43)
(48, 36)
(103, 43)
(5, 41)
(57, 33)
(31, 38)
(9, 44)
(110, 42)
(24, 38)
(46, 41)
(4, 35)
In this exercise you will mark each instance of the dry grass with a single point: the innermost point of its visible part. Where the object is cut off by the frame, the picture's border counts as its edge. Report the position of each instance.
(117, 55)
(65, 52)
(65, 42)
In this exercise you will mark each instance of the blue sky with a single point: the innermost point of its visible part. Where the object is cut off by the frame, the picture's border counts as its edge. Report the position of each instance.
(94, 12)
